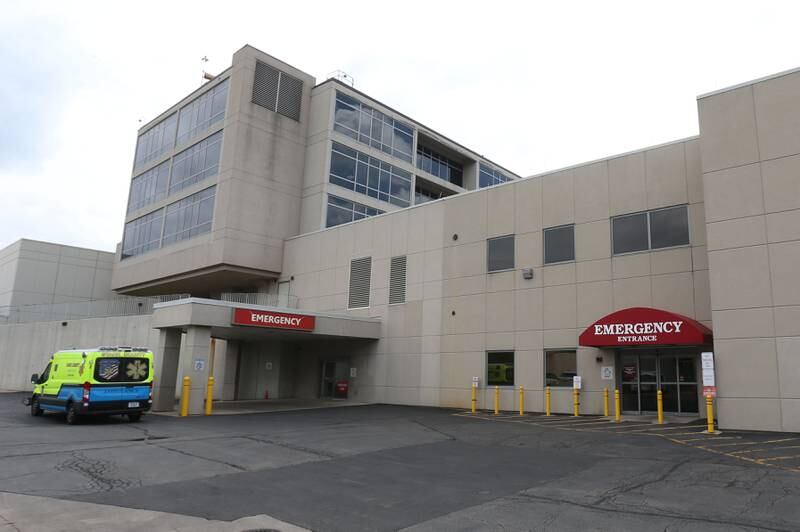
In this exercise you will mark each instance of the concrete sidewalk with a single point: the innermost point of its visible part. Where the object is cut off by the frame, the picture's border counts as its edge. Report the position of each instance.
(263, 406)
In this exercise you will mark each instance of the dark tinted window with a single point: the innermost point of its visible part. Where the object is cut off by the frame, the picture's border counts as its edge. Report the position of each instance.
(121, 369)
(669, 227)
(630, 233)
(500, 253)
(559, 368)
(500, 368)
(559, 244)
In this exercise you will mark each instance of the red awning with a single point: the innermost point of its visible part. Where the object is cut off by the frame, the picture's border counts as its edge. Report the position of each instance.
(645, 326)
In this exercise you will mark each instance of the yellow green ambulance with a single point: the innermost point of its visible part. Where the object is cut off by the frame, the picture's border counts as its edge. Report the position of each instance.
(97, 381)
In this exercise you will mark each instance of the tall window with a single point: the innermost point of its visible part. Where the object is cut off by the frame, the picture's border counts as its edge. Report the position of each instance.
(341, 211)
(142, 234)
(196, 163)
(149, 187)
(488, 176)
(500, 368)
(440, 166)
(659, 228)
(500, 253)
(370, 176)
(202, 112)
(156, 141)
(559, 367)
(189, 217)
(369, 126)
(559, 244)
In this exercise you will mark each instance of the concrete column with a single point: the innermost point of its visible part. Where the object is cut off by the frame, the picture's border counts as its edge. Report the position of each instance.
(166, 371)
(195, 363)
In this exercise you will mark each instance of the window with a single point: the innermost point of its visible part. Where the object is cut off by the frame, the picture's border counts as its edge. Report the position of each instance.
(360, 278)
(196, 163)
(189, 217)
(142, 234)
(149, 187)
(373, 128)
(202, 112)
(440, 166)
(156, 141)
(277, 91)
(488, 176)
(500, 368)
(559, 244)
(500, 253)
(342, 211)
(121, 369)
(397, 280)
(367, 175)
(660, 228)
(560, 367)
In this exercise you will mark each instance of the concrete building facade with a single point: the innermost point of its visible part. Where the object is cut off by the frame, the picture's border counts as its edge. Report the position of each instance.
(333, 246)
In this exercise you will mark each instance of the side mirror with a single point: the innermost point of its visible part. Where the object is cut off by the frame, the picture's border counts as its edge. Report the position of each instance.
(35, 378)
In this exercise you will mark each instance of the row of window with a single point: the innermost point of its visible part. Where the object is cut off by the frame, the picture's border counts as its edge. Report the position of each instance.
(440, 166)
(373, 128)
(488, 176)
(560, 366)
(178, 128)
(184, 219)
(186, 168)
(341, 211)
(656, 229)
(361, 279)
(370, 176)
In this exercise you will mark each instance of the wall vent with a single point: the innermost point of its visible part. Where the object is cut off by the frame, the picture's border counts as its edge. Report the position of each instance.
(397, 280)
(277, 91)
(360, 278)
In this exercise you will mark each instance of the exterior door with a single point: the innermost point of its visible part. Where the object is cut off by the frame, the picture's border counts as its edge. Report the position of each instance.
(644, 372)
(328, 378)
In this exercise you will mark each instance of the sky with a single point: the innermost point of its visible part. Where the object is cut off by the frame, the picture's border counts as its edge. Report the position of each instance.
(534, 86)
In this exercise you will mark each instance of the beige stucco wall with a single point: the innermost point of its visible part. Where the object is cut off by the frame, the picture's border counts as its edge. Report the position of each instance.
(750, 140)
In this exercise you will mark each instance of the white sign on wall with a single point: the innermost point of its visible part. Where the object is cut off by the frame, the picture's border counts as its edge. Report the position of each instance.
(353, 373)
(576, 382)
(476, 381)
(607, 373)
(707, 361)
(268, 366)
(199, 364)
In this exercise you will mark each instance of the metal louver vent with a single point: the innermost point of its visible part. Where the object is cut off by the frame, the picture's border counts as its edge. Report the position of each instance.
(397, 280)
(277, 91)
(360, 274)
(290, 94)
(265, 86)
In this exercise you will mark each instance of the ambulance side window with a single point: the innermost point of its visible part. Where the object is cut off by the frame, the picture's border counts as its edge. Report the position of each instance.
(45, 374)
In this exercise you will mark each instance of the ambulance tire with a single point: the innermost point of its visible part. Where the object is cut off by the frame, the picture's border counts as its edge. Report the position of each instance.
(72, 414)
(134, 418)
(36, 410)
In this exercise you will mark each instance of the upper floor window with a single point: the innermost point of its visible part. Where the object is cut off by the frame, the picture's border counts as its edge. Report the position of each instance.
(202, 112)
(488, 176)
(659, 228)
(142, 234)
(156, 141)
(500, 253)
(559, 244)
(440, 166)
(371, 127)
(196, 163)
(189, 217)
(341, 211)
(370, 176)
(149, 187)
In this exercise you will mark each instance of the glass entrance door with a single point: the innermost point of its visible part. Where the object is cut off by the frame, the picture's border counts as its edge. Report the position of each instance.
(644, 372)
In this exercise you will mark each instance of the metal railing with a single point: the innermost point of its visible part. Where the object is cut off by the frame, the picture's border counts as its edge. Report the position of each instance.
(74, 310)
(269, 300)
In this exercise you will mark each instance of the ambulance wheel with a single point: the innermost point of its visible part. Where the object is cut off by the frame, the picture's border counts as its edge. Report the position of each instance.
(36, 410)
(134, 418)
(72, 414)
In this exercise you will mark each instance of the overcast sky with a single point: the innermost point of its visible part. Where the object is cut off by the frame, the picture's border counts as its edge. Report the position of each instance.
(533, 86)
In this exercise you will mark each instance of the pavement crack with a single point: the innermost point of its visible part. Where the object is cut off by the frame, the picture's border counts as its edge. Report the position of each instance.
(6, 522)
(293, 447)
(615, 492)
(206, 458)
(99, 473)
(434, 429)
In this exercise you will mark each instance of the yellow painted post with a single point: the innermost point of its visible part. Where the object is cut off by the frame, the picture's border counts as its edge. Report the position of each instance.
(605, 402)
(660, 404)
(617, 409)
(209, 395)
(576, 398)
(496, 400)
(187, 383)
(710, 413)
(547, 401)
(474, 398)
(521, 400)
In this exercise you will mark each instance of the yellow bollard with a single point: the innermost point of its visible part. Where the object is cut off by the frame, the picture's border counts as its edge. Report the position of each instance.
(547, 401)
(576, 401)
(605, 402)
(209, 395)
(710, 413)
(521, 400)
(660, 404)
(187, 382)
(496, 400)
(617, 409)
(474, 398)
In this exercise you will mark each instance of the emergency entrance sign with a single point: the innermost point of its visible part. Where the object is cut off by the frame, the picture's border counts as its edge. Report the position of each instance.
(709, 378)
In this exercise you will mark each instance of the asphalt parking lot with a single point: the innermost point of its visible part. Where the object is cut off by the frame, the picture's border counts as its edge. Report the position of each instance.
(387, 468)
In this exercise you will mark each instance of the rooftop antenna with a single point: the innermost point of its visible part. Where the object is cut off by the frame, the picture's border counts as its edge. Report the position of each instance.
(206, 75)
(342, 76)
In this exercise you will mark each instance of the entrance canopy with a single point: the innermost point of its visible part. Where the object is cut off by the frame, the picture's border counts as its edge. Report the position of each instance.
(645, 326)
